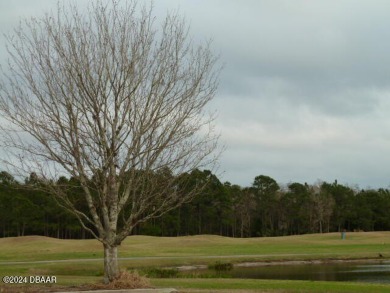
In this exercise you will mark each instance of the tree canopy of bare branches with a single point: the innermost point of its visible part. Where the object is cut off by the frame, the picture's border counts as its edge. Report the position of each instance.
(116, 101)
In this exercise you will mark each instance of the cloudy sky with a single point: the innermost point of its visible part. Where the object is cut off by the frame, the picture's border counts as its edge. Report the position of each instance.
(305, 90)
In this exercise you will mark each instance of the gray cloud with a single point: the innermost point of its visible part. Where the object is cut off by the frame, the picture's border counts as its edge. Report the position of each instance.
(305, 92)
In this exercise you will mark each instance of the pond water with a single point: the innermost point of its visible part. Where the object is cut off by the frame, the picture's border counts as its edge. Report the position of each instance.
(349, 271)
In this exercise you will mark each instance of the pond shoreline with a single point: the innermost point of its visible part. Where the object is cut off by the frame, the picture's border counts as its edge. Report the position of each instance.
(308, 262)
(290, 262)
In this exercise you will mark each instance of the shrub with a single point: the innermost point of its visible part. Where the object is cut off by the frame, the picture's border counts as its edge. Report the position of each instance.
(221, 266)
(127, 280)
(161, 273)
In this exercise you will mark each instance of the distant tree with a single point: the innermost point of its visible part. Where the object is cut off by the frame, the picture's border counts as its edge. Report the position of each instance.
(245, 207)
(17, 209)
(266, 191)
(200, 215)
(233, 193)
(372, 210)
(364, 212)
(383, 222)
(107, 99)
(296, 207)
(323, 206)
(343, 203)
(218, 205)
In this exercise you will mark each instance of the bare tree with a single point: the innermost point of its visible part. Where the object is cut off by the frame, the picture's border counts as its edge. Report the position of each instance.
(322, 206)
(116, 102)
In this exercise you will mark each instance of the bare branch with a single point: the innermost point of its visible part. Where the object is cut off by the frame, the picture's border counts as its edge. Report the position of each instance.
(115, 101)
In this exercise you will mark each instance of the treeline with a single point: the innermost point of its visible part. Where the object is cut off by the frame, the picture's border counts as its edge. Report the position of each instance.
(263, 209)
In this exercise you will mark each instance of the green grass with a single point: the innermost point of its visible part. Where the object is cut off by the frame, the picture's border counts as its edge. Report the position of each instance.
(269, 285)
(82, 259)
(318, 246)
(38, 248)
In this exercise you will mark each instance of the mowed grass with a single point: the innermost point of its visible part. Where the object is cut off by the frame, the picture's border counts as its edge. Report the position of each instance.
(240, 286)
(76, 262)
(317, 246)
(39, 248)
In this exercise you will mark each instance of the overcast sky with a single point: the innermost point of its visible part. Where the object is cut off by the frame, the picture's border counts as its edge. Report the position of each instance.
(305, 90)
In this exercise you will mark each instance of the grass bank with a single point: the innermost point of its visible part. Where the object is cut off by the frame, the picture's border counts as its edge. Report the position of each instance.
(314, 246)
(76, 262)
(240, 285)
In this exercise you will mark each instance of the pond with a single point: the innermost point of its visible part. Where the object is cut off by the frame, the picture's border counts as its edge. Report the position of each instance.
(358, 271)
(347, 271)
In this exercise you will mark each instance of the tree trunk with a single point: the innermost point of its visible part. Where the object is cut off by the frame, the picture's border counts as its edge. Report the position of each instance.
(111, 268)
(242, 228)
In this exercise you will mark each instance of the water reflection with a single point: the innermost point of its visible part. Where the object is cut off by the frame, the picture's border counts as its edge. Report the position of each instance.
(379, 273)
(370, 272)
